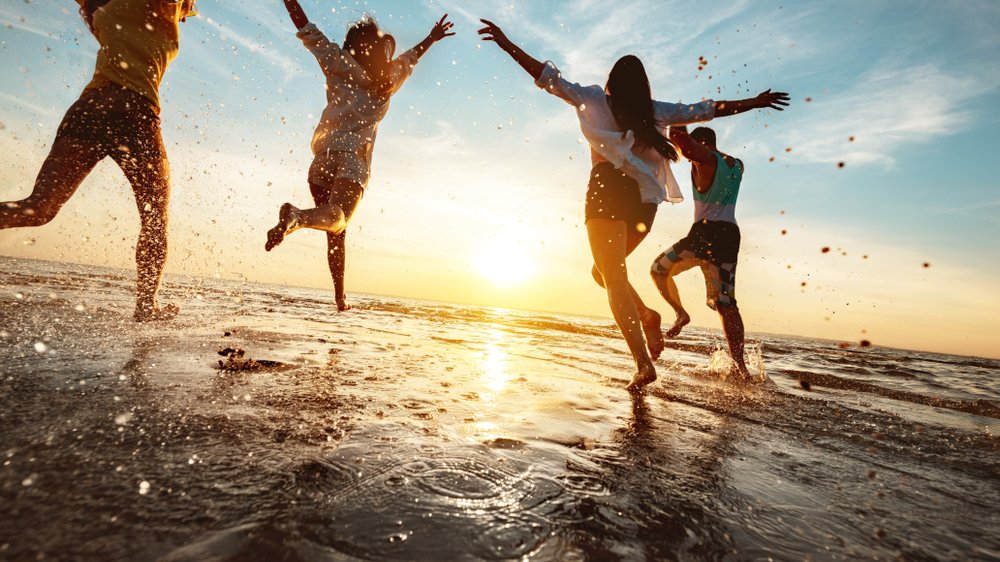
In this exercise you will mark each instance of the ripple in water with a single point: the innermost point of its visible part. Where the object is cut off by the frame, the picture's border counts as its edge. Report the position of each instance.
(492, 508)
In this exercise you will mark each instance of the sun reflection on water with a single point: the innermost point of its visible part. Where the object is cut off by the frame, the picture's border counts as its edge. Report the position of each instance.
(495, 363)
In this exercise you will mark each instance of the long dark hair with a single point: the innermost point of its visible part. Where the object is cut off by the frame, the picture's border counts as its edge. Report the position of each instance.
(87, 9)
(632, 105)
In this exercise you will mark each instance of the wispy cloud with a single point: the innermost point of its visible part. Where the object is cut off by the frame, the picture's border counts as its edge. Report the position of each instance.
(269, 53)
(884, 110)
(47, 27)
(19, 101)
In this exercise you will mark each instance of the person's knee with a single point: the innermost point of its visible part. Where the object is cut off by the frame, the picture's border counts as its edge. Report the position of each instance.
(614, 276)
(661, 268)
(596, 274)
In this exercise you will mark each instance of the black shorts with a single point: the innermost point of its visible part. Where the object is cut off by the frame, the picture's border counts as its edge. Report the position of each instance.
(614, 195)
(716, 242)
(715, 246)
(113, 118)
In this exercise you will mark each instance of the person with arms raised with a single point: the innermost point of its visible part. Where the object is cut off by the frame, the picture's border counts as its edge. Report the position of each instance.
(361, 77)
(630, 175)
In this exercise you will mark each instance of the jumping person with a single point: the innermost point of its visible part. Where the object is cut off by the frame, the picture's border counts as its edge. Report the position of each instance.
(361, 76)
(117, 115)
(714, 240)
(630, 176)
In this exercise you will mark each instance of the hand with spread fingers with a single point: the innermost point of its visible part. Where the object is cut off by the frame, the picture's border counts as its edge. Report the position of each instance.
(442, 29)
(492, 32)
(772, 100)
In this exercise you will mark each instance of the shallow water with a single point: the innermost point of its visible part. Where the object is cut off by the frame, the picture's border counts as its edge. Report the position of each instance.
(411, 430)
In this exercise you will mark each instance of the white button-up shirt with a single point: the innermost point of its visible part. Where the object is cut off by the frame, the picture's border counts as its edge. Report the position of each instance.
(353, 112)
(608, 143)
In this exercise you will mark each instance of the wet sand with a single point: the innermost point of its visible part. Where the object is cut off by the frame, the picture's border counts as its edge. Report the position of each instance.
(420, 431)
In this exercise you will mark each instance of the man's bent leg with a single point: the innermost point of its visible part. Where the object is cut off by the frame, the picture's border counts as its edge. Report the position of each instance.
(663, 270)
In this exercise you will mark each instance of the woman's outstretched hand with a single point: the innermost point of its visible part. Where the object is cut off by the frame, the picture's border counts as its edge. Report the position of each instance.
(442, 29)
(772, 100)
(492, 32)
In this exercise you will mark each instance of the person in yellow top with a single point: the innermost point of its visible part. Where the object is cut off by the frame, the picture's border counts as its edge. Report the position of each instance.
(117, 115)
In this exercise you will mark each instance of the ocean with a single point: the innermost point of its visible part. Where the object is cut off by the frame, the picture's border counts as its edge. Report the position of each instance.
(263, 425)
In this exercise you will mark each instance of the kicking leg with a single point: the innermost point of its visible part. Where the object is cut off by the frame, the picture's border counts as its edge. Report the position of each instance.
(663, 271)
(68, 163)
(329, 217)
(608, 244)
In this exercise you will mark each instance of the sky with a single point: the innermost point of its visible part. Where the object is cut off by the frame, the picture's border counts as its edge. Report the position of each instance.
(478, 181)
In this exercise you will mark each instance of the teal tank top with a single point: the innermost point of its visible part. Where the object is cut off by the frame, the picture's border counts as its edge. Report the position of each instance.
(719, 202)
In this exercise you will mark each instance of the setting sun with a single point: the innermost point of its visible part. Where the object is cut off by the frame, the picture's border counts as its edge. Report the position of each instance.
(505, 263)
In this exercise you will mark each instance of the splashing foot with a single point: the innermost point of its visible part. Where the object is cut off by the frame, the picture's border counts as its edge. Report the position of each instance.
(288, 221)
(342, 305)
(642, 377)
(155, 313)
(682, 320)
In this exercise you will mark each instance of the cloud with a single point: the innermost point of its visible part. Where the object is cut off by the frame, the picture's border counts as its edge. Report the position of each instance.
(19, 101)
(47, 27)
(271, 54)
(883, 110)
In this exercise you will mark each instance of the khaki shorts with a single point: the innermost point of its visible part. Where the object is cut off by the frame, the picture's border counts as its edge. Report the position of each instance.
(332, 165)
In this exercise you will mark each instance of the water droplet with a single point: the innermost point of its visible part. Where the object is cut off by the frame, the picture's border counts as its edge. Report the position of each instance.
(41, 347)
(143, 488)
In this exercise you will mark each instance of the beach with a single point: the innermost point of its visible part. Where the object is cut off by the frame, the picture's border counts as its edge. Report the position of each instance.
(261, 424)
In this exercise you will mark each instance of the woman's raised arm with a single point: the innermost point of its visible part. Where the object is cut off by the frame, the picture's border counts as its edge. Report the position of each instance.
(492, 32)
(297, 13)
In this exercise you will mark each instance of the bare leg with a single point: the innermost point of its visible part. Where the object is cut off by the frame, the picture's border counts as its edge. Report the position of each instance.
(663, 272)
(336, 250)
(146, 167)
(732, 325)
(329, 218)
(608, 244)
(651, 321)
(68, 163)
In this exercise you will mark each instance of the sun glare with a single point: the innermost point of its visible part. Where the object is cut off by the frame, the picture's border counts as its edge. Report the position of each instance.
(505, 263)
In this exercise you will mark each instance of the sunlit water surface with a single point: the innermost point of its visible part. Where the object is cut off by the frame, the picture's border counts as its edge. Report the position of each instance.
(410, 430)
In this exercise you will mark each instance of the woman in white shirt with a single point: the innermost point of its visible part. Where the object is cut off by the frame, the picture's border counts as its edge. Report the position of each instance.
(360, 77)
(630, 175)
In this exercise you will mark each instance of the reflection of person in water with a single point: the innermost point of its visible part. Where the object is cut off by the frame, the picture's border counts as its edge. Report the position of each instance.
(361, 76)
(630, 175)
(673, 479)
(118, 116)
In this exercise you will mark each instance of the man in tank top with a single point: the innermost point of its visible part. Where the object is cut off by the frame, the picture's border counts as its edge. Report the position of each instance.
(713, 242)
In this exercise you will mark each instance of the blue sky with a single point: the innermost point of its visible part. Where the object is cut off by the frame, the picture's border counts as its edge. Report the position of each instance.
(473, 160)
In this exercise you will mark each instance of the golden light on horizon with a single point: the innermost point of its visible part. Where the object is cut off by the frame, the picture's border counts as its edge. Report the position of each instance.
(505, 263)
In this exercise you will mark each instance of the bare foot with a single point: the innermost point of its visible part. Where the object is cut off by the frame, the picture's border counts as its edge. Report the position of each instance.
(156, 314)
(654, 335)
(288, 220)
(342, 306)
(682, 320)
(642, 377)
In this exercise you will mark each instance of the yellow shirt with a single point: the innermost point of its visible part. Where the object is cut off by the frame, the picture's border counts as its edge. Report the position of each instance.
(138, 40)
